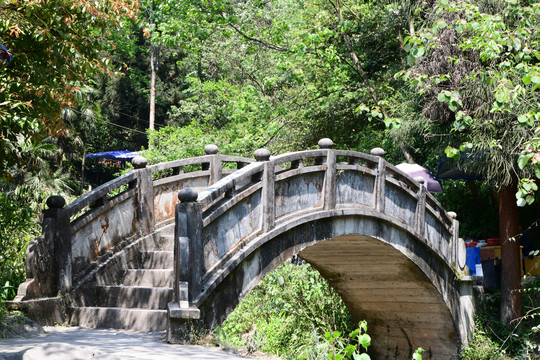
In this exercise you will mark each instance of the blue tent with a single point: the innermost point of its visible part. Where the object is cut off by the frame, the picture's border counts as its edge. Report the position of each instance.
(120, 155)
(5, 54)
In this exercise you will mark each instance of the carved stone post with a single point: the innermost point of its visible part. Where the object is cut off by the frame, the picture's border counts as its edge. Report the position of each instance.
(53, 273)
(268, 190)
(145, 196)
(380, 182)
(421, 206)
(188, 268)
(215, 163)
(330, 175)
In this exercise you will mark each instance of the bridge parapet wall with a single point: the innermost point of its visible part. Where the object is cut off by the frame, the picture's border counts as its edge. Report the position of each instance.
(266, 196)
(109, 216)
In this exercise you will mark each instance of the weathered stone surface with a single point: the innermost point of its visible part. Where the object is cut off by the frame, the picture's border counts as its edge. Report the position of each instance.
(378, 152)
(139, 162)
(262, 154)
(56, 202)
(326, 143)
(14, 326)
(187, 195)
(211, 149)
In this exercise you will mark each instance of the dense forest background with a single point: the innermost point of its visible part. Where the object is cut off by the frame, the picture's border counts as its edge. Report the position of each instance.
(423, 79)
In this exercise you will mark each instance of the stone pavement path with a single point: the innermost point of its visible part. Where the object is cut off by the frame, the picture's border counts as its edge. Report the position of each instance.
(76, 343)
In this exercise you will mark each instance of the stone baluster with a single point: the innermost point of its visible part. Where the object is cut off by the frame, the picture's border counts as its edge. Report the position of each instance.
(268, 190)
(145, 196)
(330, 175)
(215, 163)
(380, 181)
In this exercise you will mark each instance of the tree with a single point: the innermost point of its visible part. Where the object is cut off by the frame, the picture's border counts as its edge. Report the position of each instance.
(57, 47)
(476, 66)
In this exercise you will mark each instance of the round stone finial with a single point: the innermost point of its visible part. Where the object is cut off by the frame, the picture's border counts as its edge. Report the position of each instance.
(211, 149)
(139, 162)
(187, 195)
(56, 202)
(377, 151)
(325, 143)
(262, 154)
(419, 179)
(452, 214)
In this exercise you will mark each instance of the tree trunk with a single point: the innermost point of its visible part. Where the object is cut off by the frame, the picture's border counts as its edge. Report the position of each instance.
(511, 299)
(152, 87)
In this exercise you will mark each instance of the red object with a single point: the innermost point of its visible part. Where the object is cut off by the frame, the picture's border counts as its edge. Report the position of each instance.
(493, 242)
(471, 244)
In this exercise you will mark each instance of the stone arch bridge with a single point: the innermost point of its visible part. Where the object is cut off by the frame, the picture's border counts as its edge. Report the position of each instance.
(177, 245)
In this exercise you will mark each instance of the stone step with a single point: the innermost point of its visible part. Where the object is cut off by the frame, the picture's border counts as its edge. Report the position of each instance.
(154, 260)
(152, 298)
(120, 318)
(162, 242)
(148, 277)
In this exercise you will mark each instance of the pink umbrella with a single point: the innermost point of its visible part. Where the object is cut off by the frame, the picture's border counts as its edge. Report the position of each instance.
(414, 170)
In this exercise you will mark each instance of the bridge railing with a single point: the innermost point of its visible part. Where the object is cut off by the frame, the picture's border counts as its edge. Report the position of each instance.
(111, 215)
(275, 191)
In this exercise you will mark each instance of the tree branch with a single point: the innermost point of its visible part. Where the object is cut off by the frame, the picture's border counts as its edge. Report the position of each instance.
(262, 42)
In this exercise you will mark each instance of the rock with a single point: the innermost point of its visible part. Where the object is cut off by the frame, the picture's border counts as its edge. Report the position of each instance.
(18, 326)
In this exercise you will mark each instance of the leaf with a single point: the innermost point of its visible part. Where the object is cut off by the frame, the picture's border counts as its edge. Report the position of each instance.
(418, 52)
(451, 151)
(523, 160)
(349, 350)
(500, 97)
(442, 97)
(535, 79)
(365, 340)
(453, 105)
(526, 79)
(517, 44)
(364, 357)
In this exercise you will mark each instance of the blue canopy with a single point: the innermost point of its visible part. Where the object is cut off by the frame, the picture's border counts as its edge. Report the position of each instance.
(5, 54)
(120, 155)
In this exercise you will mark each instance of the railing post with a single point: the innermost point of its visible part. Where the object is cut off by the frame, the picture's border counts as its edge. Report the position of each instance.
(459, 254)
(268, 197)
(188, 249)
(380, 181)
(215, 163)
(330, 174)
(53, 257)
(421, 207)
(145, 196)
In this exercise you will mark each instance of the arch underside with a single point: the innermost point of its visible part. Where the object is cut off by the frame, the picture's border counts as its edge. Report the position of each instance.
(383, 274)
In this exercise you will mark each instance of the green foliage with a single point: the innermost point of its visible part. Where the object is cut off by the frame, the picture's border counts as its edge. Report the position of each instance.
(478, 215)
(56, 46)
(353, 347)
(490, 83)
(17, 228)
(481, 347)
(289, 310)
(493, 340)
